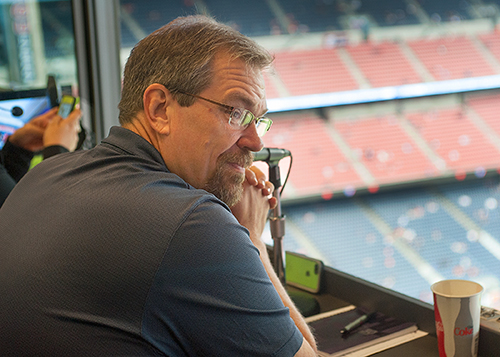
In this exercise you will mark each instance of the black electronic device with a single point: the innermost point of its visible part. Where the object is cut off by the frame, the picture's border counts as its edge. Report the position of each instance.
(19, 107)
(52, 91)
(66, 105)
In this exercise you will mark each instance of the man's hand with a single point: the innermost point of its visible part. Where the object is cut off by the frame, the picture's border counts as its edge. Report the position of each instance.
(63, 132)
(256, 201)
(30, 136)
(251, 212)
(48, 129)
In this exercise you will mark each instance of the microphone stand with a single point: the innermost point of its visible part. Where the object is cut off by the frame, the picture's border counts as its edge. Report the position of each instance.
(277, 222)
(306, 304)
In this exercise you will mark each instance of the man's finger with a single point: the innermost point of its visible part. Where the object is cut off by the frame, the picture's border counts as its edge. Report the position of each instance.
(250, 177)
(259, 176)
(74, 116)
(273, 202)
(268, 188)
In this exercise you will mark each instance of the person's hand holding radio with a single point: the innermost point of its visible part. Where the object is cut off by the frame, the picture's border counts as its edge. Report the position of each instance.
(63, 132)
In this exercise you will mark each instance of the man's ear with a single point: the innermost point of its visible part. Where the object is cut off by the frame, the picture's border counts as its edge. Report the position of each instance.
(156, 99)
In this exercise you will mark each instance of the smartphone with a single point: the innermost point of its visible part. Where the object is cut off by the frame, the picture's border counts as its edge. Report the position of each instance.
(303, 272)
(66, 105)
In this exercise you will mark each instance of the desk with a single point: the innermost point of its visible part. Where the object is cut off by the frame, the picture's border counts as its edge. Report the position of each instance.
(340, 289)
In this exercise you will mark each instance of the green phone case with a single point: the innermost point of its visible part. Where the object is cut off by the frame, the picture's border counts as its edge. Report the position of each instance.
(303, 272)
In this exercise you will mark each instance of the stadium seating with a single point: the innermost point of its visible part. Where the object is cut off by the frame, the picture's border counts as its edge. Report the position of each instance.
(249, 17)
(385, 149)
(313, 71)
(334, 159)
(319, 166)
(383, 64)
(389, 12)
(451, 58)
(492, 42)
(487, 106)
(455, 139)
(317, 16)
(369, 255)
(449, 10)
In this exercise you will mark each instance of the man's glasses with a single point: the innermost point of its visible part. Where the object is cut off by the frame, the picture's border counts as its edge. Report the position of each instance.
(239, 118)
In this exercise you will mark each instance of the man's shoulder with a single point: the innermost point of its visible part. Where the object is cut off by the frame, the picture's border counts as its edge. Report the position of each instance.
(174, 195)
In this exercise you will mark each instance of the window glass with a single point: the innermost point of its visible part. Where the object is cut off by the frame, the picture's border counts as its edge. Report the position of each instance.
(389, 110)
(36, 43)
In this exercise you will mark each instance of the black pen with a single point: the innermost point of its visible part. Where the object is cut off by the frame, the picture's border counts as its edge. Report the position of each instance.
(356, 323)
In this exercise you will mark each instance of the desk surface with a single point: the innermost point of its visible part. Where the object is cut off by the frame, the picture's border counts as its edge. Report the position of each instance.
(425, 346)
(340, 289)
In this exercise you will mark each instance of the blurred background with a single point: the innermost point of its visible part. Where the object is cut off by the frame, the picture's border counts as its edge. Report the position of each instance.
(389, 107)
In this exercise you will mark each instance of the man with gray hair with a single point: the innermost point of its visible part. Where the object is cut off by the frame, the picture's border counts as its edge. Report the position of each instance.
(150, 243)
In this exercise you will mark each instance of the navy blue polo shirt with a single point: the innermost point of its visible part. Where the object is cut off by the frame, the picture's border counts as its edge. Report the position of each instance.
(105, 252)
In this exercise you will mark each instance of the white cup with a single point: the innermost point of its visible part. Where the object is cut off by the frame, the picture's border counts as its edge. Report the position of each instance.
(457, 310)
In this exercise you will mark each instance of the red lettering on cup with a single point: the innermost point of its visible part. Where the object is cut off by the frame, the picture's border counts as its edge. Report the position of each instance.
(463, 332)
(439, 328)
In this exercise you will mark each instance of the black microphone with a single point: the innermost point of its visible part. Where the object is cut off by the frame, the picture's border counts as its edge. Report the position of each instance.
(15, 111)
(271, 154)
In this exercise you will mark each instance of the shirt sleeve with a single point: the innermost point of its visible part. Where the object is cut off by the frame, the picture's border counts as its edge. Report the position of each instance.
(16, 160)
(53, 150)
(212, 296)
(7, 184)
